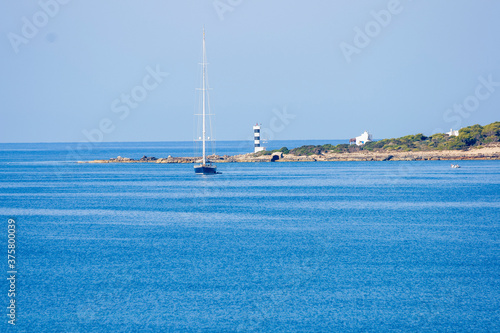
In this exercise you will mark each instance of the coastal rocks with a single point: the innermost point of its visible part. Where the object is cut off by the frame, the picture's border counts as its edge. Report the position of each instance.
(120, 159)
(171, 159)
(485, 153)
(249, 158)
(215, 158)
(293, 158)
(147, 159)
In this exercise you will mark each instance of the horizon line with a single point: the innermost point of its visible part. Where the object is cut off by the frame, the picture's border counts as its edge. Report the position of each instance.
(250, 141)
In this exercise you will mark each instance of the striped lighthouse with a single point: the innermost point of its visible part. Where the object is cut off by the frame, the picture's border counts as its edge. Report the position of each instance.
(256, 139)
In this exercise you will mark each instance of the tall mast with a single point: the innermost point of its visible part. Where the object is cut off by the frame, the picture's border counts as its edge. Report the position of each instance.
(203, 92)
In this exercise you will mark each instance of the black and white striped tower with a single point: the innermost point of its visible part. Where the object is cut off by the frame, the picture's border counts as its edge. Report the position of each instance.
(256, 139)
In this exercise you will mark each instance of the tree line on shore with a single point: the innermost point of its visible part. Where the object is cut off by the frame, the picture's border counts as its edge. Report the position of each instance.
(471, 136)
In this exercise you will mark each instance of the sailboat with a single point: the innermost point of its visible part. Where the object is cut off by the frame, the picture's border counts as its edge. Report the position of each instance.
(206, 167)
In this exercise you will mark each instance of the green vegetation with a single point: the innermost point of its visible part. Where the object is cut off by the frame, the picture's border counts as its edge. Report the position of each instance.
(283, 150)
(471, 136)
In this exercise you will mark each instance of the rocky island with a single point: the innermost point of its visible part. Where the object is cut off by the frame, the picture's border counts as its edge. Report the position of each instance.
(472, 143)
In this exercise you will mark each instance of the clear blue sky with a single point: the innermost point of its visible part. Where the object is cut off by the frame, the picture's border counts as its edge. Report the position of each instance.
(68, 74)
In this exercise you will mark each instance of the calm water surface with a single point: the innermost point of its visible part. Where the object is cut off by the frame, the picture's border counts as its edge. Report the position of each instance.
(263, 247)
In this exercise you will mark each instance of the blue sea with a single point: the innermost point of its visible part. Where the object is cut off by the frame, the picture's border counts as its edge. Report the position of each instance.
(262, 247)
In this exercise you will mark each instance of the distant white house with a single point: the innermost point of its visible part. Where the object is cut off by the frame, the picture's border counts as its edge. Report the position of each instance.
(452, 132)
(362, 139)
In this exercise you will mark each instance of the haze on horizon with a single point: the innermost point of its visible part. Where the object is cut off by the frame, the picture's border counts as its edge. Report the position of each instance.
(320, 70)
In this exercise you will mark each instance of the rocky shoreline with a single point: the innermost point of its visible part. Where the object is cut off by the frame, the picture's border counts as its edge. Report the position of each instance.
(482, 153)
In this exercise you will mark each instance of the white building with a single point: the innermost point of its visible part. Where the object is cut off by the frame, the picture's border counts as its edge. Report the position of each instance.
(256, 139)
(363, 138)
(452, 132)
